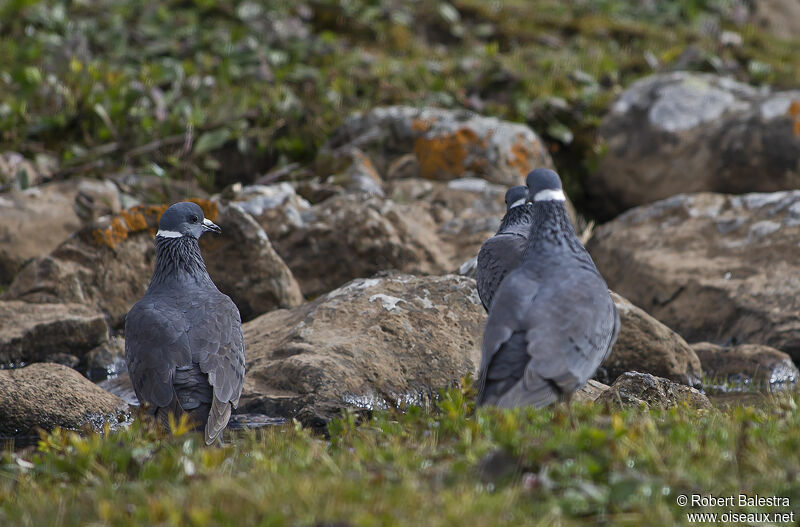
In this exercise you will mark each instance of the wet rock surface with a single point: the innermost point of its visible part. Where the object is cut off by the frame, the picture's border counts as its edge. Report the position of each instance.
(109, 264)
(746, 367)
(40, 332)
(367, 344)
(642, 389)
(46, 395)
(712, 267)
(690, 132)
(644, 344)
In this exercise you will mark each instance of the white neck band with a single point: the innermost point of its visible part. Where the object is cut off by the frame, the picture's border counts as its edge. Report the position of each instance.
(550, 195)
(169, 234)
(518, 203)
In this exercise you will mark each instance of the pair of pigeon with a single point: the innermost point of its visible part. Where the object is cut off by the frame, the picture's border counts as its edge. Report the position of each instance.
(551, 321)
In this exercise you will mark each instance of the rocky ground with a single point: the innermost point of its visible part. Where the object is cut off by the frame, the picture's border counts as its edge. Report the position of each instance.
(350, 261)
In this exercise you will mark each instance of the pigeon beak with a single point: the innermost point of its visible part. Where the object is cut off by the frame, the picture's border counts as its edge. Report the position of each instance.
(209, 225)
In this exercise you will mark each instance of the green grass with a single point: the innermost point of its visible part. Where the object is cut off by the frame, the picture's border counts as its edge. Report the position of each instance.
(583, 465)
(205, 90)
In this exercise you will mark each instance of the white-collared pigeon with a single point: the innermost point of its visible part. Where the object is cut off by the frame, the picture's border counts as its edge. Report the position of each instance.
(183, 340)
(552, 321)
(501, 253)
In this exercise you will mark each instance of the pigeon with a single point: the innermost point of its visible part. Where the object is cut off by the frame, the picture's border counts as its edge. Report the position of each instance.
(501, 253)
(183, 340)
(552, 321)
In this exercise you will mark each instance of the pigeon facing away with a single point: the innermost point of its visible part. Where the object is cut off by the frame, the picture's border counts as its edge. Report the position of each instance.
(501, 253)
(183, 340)
(552, 322)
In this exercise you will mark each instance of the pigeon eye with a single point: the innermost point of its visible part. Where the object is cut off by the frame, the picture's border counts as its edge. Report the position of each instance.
(193, 219)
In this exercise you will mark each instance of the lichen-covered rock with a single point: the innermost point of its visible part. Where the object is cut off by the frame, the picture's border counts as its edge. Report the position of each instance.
(366, 344)
(36, 220)
(746, 366)
(711, 267)
(46, 395)
(642, 389)
(644, 344)
(445, 144)
(109, 264)
(38, 332)
(689, 132)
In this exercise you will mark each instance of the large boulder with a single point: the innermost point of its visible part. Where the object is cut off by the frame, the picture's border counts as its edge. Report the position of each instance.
(689, 132)
(712, 267)
(401, 141)
(38, 332)
(109, 264)
(644, 344)
(368, 343)
(746, 366)
(356, 235)
(37, 219)
(46, 395)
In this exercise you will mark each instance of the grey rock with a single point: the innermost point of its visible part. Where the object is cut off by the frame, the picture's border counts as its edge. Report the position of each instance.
(368, 344)
(689, 132)
(746, 367)
(646, 345)
(644, 390)
(706, 266)
(46, 395)
(39, 332)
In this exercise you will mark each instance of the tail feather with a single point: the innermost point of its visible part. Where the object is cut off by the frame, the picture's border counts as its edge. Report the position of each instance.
(218, 419)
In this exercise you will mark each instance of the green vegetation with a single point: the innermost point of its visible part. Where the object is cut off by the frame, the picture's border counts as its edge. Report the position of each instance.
(582, 465)
(224, 90)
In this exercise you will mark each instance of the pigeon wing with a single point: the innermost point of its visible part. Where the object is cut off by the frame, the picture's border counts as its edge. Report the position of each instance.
(498, 256)
(501, 339)
(156, 343)
(217, 345)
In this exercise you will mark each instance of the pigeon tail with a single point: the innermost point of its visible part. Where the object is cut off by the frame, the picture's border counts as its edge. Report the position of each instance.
(218, 419)
(179, 259)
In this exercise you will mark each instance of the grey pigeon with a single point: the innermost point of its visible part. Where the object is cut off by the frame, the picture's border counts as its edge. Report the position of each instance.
(183, 340)
(501, 253)
(552, 322)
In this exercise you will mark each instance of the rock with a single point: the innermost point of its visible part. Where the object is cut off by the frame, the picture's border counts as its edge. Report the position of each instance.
(20, 173)
(644, 344)
(356, 235)
(277, 208)
(446, 144)
(244, 265)
(36, 220)
(589, 392)
(746, 366)
(39, 332)
(109, 264)
(367, 344)
(46, 395)
(122, 387)
(711, 267)
(642, 389)
(141, 189)
(104, 361)
(779, 17)
(350, 169)
(689, 132)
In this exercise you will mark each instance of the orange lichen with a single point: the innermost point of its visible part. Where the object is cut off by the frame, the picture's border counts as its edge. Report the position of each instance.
(521, 154)
(445, 156)
(794, 113)
(141, 218)
(421, 125)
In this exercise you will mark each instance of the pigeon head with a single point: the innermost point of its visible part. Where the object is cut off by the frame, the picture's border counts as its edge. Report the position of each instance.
(185, 219)
(544, 185)
(516, 196)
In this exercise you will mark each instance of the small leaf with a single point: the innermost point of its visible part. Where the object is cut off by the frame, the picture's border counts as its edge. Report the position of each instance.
(212, 140)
